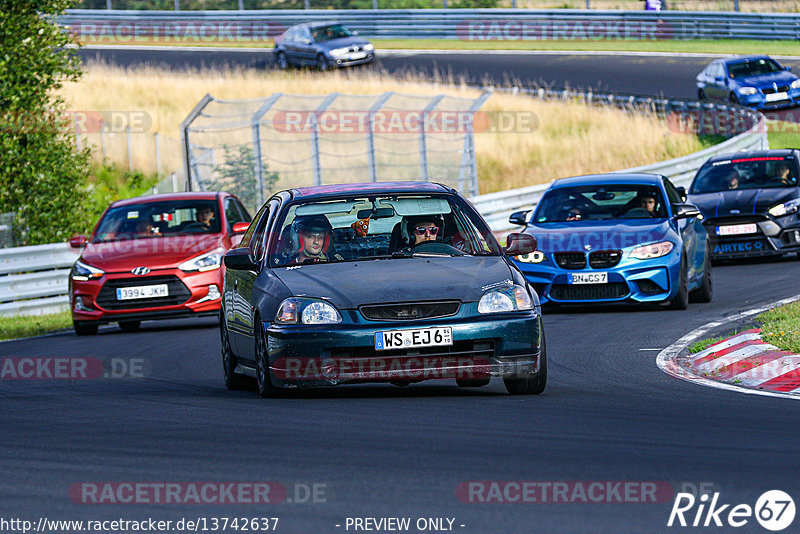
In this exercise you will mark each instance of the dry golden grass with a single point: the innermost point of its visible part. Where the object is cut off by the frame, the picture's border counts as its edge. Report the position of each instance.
(761, 6)
(570, 138)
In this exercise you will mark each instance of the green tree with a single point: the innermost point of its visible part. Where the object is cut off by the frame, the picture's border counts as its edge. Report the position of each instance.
(42, 174)
(237, 175)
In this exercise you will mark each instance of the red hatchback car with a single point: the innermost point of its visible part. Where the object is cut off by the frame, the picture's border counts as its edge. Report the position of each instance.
(154, 257)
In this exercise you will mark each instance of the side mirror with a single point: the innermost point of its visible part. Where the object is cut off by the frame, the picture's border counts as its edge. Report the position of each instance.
(240, 259)
(788, 68)
(78, 241)
(682, 192)
(519, 244)
(519, 218)
(240, 227)
(685, 211)
(306, 41)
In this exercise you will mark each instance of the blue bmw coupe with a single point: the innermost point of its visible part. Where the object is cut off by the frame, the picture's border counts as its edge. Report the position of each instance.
(758, 82)
(617, 238)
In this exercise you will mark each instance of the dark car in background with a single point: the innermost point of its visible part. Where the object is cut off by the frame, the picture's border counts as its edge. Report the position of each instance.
(323, 45)
(750, 202)
(406, 283)
(616, 238)
(154, 257)
(758, 82)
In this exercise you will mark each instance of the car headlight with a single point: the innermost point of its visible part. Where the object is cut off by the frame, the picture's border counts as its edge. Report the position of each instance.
(787, 208)
(82, 272)
(338, 52)
(507, 299)
(307, 311)
(536, 256)
(747, 90)
(204, 262)
(369, 47)
(653, 250)
(796, 84)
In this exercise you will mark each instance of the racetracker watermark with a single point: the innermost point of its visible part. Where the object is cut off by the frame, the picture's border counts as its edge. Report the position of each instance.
(72, 368)
(198, 493)
(377, 368)
(565, 491)
(404, 122)
(76, 121)
(187, 31)
(564, 30)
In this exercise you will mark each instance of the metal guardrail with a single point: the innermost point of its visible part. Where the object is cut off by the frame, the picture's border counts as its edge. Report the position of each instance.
(497, 207)
(466, 24)
(34, 280)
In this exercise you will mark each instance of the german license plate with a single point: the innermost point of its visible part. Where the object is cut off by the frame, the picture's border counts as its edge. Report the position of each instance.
(357, 55)
(142, 292)
(588, 278)
(408, 339)
(776, 96)
(737, 229)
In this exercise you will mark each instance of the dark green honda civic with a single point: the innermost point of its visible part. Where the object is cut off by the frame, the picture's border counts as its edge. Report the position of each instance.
(394, 282)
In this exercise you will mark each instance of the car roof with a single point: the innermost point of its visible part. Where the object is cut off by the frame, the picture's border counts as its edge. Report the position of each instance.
(369, 188)
(745, 58)
(609, 178)
(320, 24)
(189, 195)
(776, 152)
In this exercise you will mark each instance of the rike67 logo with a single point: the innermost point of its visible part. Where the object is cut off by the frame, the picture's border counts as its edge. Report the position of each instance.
(774, 510)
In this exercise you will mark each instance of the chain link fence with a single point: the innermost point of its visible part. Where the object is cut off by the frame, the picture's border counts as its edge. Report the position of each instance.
(254, 147)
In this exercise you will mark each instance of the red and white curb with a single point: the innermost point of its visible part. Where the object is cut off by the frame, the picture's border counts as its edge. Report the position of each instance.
(743, 362)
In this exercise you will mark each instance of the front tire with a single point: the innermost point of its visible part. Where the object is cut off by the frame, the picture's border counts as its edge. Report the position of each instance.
(733, 99)
(322, 63)
(533, 384)
(282, 61)
(681, 300)
(84, 329)
(705, 292)
(701, 96)
(233, 381)
(263, 376)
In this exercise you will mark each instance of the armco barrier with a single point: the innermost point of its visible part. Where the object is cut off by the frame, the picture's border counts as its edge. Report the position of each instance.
(34, 280)
(465, 24)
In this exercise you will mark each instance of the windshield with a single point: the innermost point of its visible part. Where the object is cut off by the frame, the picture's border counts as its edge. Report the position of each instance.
(149, 220)
(381, 227)
(600, 202)
(745, 173)
(328, 33)
(753, 68)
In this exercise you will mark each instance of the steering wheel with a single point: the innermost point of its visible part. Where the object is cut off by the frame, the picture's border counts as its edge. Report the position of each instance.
(637, 213)
(436, 247)
(194, 226)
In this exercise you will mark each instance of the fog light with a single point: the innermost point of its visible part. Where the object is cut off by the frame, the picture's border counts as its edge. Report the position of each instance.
(213, 294)
(80, 306)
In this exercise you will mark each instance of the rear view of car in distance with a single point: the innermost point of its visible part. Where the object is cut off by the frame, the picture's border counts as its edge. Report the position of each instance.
(381, 282)
(155, 257)
(322, 45)
(750, 202)
(758, 82)
(616, 238)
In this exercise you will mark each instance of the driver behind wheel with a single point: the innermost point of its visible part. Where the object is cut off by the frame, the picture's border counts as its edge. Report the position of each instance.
(424, 228)
(312, 234)
(204, 216)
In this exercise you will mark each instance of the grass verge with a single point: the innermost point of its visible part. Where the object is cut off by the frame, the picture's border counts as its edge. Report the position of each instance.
(694, 46)
(781, 327)
(33, 325)
(703, 344)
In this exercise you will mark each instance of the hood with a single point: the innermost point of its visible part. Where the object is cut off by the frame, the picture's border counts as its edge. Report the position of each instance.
(745, 201)
(616, 234)
(351, 284)
(342, 42)
(155, 253)
(766, 80)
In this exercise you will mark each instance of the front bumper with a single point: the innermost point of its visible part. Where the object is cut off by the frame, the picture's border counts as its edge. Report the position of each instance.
(344, 62)
(483, 346)
(758, 101)
(774, 238)
(634, 281)
(94, 301)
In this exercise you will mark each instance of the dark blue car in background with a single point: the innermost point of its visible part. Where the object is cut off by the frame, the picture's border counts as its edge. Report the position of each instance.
(616, 238)
(322, 44)
(758, 82)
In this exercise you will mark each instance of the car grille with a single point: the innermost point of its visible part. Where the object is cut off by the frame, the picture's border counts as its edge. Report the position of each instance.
(410, 311)
(570, 260)
(771, 90)
(178, 293)
(604, 259)
(480, 349)
(615, 290)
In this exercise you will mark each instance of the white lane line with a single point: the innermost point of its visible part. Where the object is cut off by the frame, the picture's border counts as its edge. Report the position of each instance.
(724, 345)
(666, 358)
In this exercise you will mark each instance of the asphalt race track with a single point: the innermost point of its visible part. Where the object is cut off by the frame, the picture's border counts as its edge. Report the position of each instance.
(609, 414)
